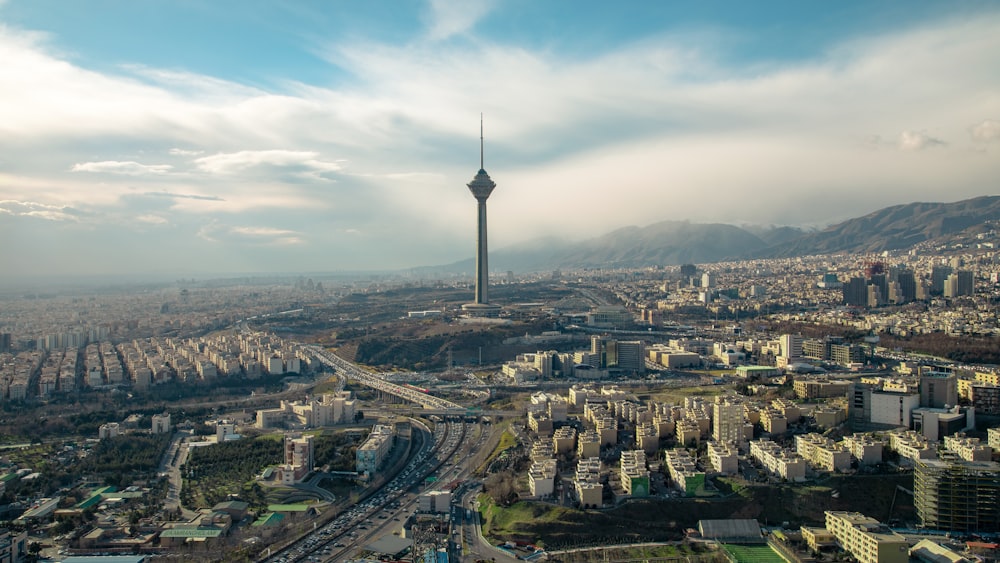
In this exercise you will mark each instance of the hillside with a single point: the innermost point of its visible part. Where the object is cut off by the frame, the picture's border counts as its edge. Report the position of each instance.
(894, 228)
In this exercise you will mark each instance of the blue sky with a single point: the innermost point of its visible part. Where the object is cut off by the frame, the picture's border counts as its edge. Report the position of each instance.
(183, 137)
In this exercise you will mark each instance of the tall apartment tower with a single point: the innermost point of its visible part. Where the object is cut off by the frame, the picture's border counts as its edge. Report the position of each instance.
(728, 421)
(481, 187)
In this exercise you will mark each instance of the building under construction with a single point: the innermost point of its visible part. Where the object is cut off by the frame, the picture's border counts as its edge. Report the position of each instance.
(957, 495)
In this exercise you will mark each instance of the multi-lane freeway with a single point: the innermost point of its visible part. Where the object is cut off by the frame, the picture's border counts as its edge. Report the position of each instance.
(446, 453)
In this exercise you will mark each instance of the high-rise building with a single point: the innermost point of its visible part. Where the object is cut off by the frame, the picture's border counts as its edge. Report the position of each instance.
(728, 424)
(938, 276)
(957, 494)
(959, 283)
(481, 187)
(856, 292)
(623, 355)
(791, 345)
(907, 284)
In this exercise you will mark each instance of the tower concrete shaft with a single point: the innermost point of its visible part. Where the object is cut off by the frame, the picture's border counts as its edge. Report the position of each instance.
(481, 187)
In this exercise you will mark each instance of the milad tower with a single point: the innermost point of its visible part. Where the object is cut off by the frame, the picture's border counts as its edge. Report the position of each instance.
(481, 187)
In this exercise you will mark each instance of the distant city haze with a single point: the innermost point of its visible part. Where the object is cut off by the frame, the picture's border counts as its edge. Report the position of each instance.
(185, 139)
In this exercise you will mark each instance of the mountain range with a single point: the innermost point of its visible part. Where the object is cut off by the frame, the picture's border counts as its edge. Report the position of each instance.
(898, 227)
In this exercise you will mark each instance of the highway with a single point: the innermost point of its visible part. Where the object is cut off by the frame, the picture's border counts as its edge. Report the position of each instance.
(377, 381)
(383, 510)
(449, 455)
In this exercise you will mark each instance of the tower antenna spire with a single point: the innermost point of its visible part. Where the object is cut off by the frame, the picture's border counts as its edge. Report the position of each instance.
(481, 166)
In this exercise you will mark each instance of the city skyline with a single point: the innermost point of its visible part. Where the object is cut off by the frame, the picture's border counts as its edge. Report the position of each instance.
(163, 138)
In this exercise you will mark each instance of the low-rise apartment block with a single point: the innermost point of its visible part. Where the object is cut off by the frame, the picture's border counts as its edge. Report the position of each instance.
(634, 473)
(823, 453)
(588, 485)
(819, 388)
(911, 445)
(993, 438)
(866, 448)
(542, 478)
(778, 461)
(683, 471)
(723, 458)
(375, 449)
(588, 444)
(564, 440)
(688, 432)
(866, 539)
(969, 449)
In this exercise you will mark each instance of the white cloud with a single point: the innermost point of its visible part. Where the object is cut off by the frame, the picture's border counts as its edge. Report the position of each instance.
(261, 231)
(454, 17)
(152, 219)
(305, 164)
(185, 152)
(38, 210)
(916, 140)
(253, 235)
(986, 131)
(129, 168)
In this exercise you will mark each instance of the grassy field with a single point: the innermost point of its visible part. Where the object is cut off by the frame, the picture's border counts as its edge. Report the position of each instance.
(637, 554)
(753, 553)
(507, 440)
(504, 522)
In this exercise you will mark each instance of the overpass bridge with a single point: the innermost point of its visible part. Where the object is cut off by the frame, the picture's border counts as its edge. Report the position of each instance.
(378, 382)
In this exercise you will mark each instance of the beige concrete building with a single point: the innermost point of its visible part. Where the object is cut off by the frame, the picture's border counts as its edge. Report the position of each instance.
(542, 450)
(723, 458)
(607, 429)
(829, 416)
(634, 474)
(542, 478)
(728, 422)
(969, 449)
(778, 461)
(540, 424)
(993, 438)
(688, 432)
(589, 489)
(866, 448)
(773, 421)
(818, 539)
(911, 445)
(588, 444)
(819, 388)
(789, 409)
(823, 453)
(684, 473)
(866, 539)
(564, 440)
(647, 438)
